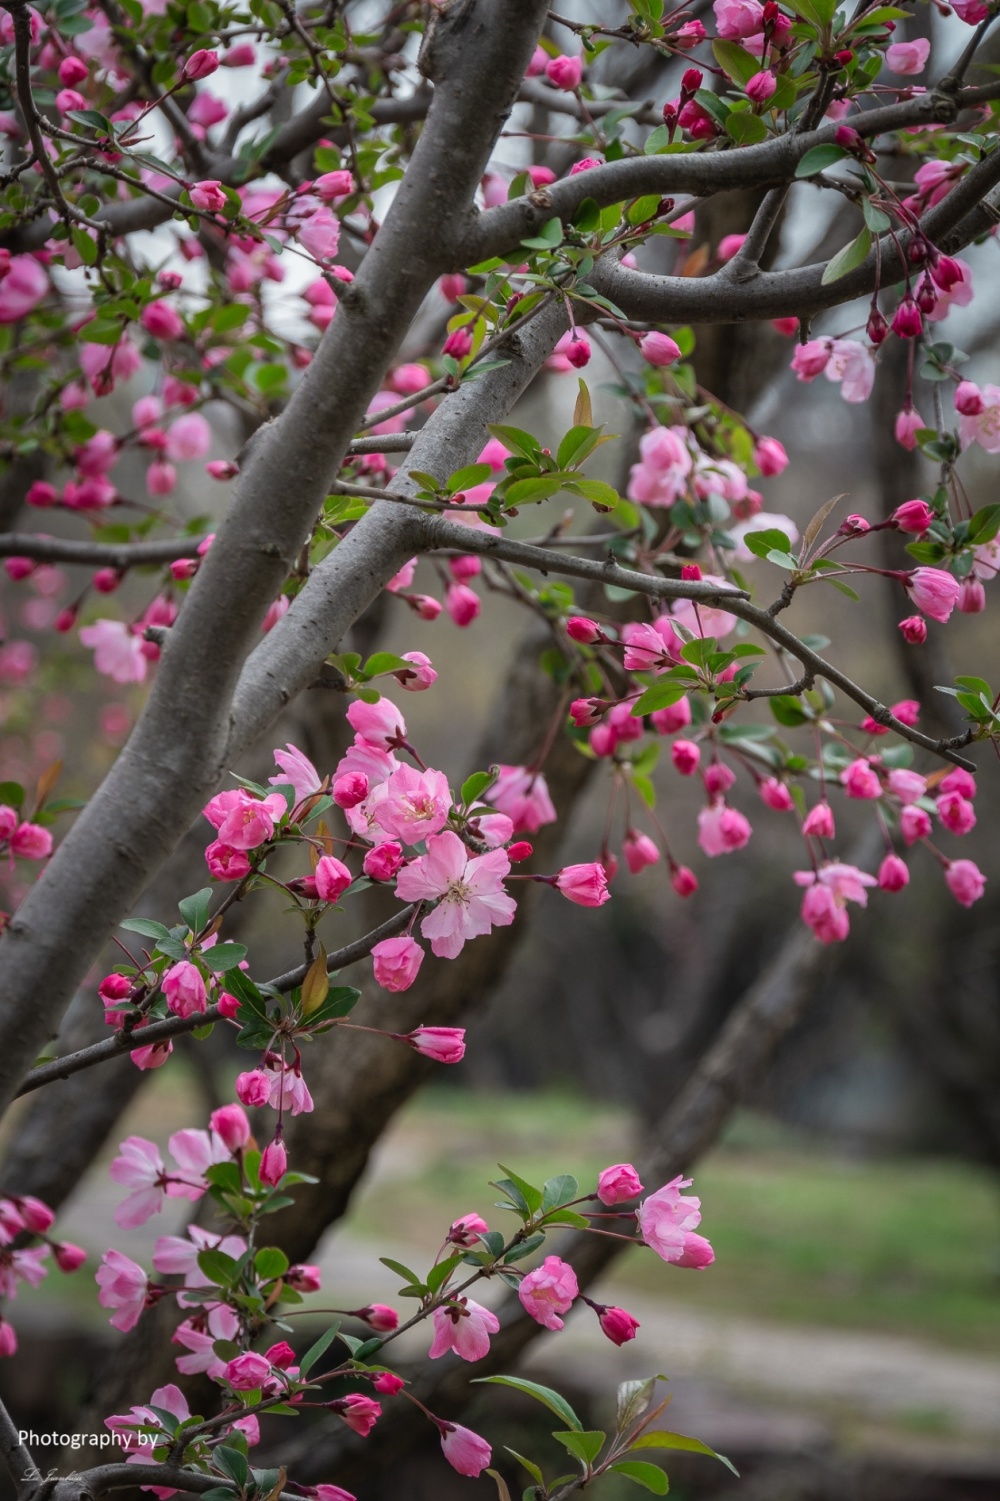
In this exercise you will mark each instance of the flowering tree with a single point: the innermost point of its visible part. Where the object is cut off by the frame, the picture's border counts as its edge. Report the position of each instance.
(145, 224)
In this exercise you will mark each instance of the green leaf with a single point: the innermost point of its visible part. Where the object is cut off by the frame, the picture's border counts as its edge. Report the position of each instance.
(651, 1477)
(225, 1175)
(401, 1271)
(473, 787)
(559, 1191)
(661, 1439)
(745, 129)
(232, 1464)
(194, 909)
(319, 1349)
(984, 525)
(737, 63)
(632, 1399)
(224, 956)
(597, 491)
(544, 1394)
(469, 477)
(439, 1274)
(516, 439)
(340, 1001)
(270, 1263)
(763, 542)
(532, 1196)
(847, 259)
(585, 1446)
(818, 159)
(382, 662)
(12, 793)
(659, 696)
(787, 710)
(145, 926)
(525, 492)
(529, 1465)
(220, 1269)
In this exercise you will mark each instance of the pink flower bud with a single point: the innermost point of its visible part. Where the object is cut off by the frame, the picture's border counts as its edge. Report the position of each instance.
(41, 493)
(770, 457)
(304, 1278)
(69, 1258)
(208, 196)
(580, 628)
(419, 675)
(452, 286)
(222, 469)
(860, 780)
(971, 596)
(281, 1355)
(639, 851)
(201, 64)
(388, 1383)
(686, 756)
(274, 1163)
(934, 591)
(425, 606)
(818, 822)
(17, 569)
(618, 1184)
(914, 629)
(968, 399)
(72, 70)
(462, 604)
(335, 185)
(458, 343)
(253, 1088)
(684, 881)
(106, 580)
(380, 1317)
(350, 789)
(229, 1006)
(230, 1122)
(396, 962)
(443, 1044)
(761, 87)
(586, 885)
(247, 1372)
(577, 351)
(718, 778)
(466, 1230)
(966, 881)
(382, 862)
(893, 874)
(564, 72)
(674, 717)
(659, 348)
(618, 1325)
(914, 823)
(956, 813)
(907, 322)
(913, 516)
(691, 81)
(464, 1450)
(332, 878)
(37, 1217)
(776, 795)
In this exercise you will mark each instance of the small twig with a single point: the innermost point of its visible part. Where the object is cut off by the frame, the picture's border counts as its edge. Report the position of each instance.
(120, 555)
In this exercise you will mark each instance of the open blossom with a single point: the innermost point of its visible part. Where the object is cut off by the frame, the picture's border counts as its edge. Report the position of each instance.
(667, 1223)
(118, 652)
(124, 1287)
(908, 57)
(827, 894)
(358, 1412)
(410, 805)
(722, 829)
(549, 1291)
(465, 1327)
(472, 897)
(248, 1372)
(467, 1229)
(296, 771)
(524, 796)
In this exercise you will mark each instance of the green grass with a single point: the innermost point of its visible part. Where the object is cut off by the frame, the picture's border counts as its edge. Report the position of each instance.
(904, 1246)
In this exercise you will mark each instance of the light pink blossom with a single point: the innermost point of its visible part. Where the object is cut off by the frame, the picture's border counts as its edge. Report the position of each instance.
(465, 1327)
(549, 1291)
(667, 1223)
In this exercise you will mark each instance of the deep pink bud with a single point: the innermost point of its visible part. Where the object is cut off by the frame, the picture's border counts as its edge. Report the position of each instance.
(893, 874)
(72, 70)
(577, 351)
(761, 86)
(382, 862)
(907, 322)
(37, 1217)
(388, 1383)
(913, 516)
(818, 822)
(586, 885)
(459, 343)
(332, 878)
(201, 64)
(876, 328)
(968, 399)
(946, 272)
(691, 573)
(350, 789)
(230, 1122)
(274, 1163)
(971, 596)
(686, 756)
(914, 629)
(618, 1184)
(691, 81)
(69, 1257)
(659, 348)
(281, 1355)
(304, 1278)
(380, 1317)
(253, 1088)
(684, 881)
(579, 628)
(618, 1325)
(443, 1044)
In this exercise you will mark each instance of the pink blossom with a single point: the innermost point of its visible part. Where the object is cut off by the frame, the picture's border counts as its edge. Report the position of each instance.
(194, 1152)
(31, 842)
(549, 1291)
(908, 57)
(770, 457)
(824, 915)
(471, 890)
(464, 1450)
(465, 1327)
(667, 1222)
(462, 603)
(396, 962)
(893, 874)
(908, 785)
(914, 823)
(103, 365)
(350, 790)
(304, 1278)
(659, 348)
(379, 724)
(118, 652)
(184, 988)
(249, 821)
(586, 885)
(124, 1287)
(564, 72)
(934, 591)
(860, 780)
(336, 184)
(812, 358)
(818, 822)
(208, 196)
(273, 1163)
(618, 1184)
(466, 1230)
(959, 780)
(761, 86)
(201, 64)
(140, 1168)
(389, 1385)
(674, 717)
(851, 364)
(966, 881)
(686, 757)
(956, 813)
(412, 805)
(914, 629)
(913, 516)
(443, 1044)
(230, 1124)
(776, 795)
(639, 851)
(68, 1257)
(524, 796)
(971, 596)
(247, 1373)
(908, 424)
(419, 675)
(22, 289)
(332, 878)
(190, 437)
(225, 863)
(618, 1325)
(358, 1412)
(738, 18)
(382, 862)
(296, 771)
(722, 829)
(288, 1090)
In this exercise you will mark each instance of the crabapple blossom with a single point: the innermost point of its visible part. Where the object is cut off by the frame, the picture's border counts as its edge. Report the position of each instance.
(465, 1327)
(618, 1184)
(469, 890)
(467, 1229)
(464, 1450)
(586, 885)
(934, 591)
(966, 881)
(523, 795)
(124, 1288)
(443, 1044)
(667, 1222)
(549, 1291)
(618, 1325)
(396, 962)
(722, 829)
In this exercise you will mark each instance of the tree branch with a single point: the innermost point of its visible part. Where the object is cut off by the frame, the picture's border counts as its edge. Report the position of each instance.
(120, 555)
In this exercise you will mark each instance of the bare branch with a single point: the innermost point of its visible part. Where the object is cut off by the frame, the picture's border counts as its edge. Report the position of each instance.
(120, 555)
